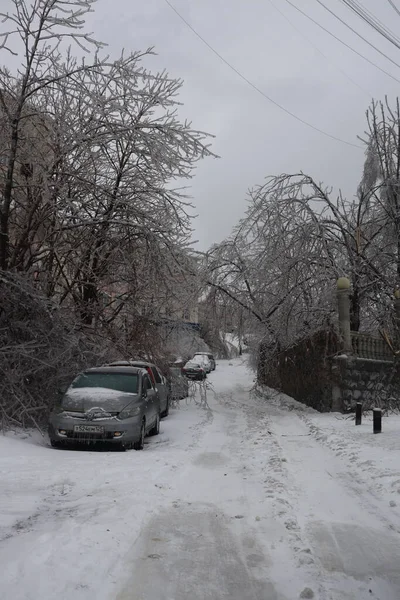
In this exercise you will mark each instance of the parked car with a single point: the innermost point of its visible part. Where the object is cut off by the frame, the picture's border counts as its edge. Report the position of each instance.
(179, 385)
(204, 361)
(210, 358)
(119, 405)
(157, 377)
(195, 369)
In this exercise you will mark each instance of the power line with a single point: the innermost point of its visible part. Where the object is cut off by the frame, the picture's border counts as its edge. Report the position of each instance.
(251, 84)
(319, 50)
(341, 41)
(358, 34)
(369, 18)
(392, 4)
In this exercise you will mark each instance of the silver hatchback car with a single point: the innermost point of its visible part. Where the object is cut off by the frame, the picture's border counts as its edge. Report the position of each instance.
(158, 379)
(117, 405)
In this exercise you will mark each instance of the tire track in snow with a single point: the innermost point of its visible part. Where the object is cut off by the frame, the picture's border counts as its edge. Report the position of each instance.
(261, 456)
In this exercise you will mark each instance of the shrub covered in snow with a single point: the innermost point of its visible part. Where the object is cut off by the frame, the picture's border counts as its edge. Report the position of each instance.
(41, 349)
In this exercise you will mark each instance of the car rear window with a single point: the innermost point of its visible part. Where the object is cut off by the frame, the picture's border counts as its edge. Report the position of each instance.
(152, 371)
(122, 382)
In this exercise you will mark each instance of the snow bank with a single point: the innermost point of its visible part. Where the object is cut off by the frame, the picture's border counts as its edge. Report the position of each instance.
(282, 400)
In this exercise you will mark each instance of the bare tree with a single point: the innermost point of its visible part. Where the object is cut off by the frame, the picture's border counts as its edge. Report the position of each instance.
(114, 145)
(34, 31)
(380, 185)
(283, 258)
(92, 214)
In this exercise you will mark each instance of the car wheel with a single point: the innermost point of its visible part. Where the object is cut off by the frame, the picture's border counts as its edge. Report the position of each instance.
(156, 428)
(139, 445)
(56, 444)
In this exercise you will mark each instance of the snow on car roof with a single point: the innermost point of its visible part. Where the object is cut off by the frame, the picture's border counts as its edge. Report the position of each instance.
(131, 363)
(116, 369)
(96, 392)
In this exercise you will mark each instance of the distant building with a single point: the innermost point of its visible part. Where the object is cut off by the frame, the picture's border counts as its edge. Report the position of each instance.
(31, 207)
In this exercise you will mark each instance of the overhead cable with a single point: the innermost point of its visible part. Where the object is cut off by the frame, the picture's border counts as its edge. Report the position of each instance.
(358, 34)
(341, 41)
(299, 31)
(392, 4)
(372, 21)
(254, 86)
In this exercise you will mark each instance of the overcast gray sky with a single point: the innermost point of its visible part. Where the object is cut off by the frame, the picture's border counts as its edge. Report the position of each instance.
(253, 137)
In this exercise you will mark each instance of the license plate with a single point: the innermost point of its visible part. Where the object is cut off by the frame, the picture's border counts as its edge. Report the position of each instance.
(88, 429)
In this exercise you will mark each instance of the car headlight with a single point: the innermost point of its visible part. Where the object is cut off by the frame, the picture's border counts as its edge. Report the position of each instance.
(129, 412)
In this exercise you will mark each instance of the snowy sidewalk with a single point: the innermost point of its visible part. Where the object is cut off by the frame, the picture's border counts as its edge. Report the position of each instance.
(372, 461)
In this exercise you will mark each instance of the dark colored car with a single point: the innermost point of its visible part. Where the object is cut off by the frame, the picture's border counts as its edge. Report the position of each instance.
(157, 377)
(195, 369)
(179, 385)
(118, 405)
(210, 358)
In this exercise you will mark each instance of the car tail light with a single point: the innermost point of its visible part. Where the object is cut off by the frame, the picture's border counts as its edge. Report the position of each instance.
(150, 372)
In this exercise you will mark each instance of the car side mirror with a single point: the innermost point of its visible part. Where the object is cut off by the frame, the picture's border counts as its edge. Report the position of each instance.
(61, 390)
(144, 393)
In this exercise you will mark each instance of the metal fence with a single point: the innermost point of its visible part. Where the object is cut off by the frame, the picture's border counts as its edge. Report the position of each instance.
(368, 346)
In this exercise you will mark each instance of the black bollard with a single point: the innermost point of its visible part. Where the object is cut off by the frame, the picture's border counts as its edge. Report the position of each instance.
(377, 419)
(358, 413)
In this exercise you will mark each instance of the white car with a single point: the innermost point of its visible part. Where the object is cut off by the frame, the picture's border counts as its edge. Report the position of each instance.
(207, 355)
(203, 360)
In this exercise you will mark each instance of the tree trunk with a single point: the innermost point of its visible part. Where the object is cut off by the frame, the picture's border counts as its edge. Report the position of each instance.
(355, 310)
(90, 301)
(7, 197)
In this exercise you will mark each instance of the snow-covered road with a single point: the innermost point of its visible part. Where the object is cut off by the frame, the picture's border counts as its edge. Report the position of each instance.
(238, 498)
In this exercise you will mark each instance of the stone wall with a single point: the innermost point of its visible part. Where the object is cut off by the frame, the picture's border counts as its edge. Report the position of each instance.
(335, 368)
(372, 382)
(316, 374)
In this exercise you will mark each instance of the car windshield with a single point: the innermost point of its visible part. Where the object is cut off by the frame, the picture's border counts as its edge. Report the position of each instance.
(201, 359)
(121, 382)
(193, 363)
